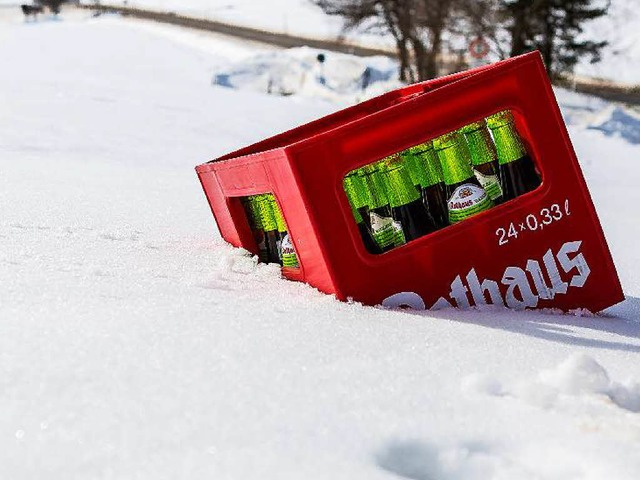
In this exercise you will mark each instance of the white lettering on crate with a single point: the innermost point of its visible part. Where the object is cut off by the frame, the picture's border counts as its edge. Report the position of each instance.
(540, 279)
(533, 222)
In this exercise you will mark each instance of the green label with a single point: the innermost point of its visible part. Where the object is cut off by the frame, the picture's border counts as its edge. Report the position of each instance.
(398, 236)
(382, 230)
(491, 184)
(508, 143)
(289, 257)
(481, 146)
(467, 200)
(266, 213)
(254, 212)
(401, 188)
(455, 158)
(424, 167)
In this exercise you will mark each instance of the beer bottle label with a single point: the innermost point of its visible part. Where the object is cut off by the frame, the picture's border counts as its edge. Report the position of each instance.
(382, 230)
(398, 234)
(490, 183)
(289, 257)
(467, 200)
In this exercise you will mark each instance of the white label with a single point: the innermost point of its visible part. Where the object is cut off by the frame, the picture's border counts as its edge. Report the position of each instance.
(382, 229)
(467, 200)
(490, 183)
(379, 223)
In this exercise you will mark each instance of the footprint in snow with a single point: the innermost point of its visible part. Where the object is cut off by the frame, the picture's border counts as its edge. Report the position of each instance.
(578, 376)
(417, 460)
(120, 237)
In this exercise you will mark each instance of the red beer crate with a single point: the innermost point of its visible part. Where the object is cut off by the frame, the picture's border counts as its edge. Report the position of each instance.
(544, 249)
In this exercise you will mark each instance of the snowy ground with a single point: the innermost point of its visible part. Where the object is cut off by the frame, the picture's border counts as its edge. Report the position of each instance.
(621, 58)
(296, 71)
(134, 344)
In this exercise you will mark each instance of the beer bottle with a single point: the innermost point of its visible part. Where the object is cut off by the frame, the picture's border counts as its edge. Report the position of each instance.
(380, 218)
(408, 211)
(356, 195)
(383, 167)
(281, 228)
(426, 174)
(484, 158)
(465, 195)
(517, 171)
(355, 190)
(255, 221)
(270, 228)
(286, 251)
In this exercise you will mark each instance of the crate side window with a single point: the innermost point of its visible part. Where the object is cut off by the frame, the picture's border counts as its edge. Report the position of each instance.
(440, 182)
(270, 230)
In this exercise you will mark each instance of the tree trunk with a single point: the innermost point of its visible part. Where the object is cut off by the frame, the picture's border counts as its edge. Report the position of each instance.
(405, 63)
(420, 59)
(432, 57)
(549, 34)
(519, 29)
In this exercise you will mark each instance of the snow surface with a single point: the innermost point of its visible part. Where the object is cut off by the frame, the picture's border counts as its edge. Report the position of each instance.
(135, 344)
(299, 17)
(296, 71)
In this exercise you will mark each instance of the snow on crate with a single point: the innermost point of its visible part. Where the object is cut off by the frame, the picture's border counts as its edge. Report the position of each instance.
(312, 73)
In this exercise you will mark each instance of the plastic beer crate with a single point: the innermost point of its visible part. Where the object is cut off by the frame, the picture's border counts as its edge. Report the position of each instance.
(544, 249)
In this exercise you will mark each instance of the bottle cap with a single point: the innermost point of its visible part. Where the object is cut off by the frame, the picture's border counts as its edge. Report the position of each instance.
(472, 127)
(445, 141)
(499, 119)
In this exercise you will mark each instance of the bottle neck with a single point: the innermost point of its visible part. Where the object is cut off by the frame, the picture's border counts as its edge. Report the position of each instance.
(481, 146)
(508, 143)
(401, 189)
(425, 168)
(280, 223)
(355, 190)
(355, 194)
(376, 194)
(255, 212)
(266, 214)
(455, 161)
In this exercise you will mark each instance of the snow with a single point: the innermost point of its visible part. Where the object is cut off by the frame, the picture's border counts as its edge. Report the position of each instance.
(620, 28)
(296, 71)
(621, 56)
(299, 17)
(134, 343)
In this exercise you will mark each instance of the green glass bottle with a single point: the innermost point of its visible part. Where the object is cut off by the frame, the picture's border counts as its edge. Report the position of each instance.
(426, 174)
(380, 218)
(255, 221)
(270, 228)
(484, 158)
(407, 209)
(286, 252)
(357, 197)
(517, 170)
(281, 227)
(355, 190)
(465, 195)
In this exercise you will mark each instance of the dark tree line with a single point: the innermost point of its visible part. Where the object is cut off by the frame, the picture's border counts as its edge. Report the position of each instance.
(554, 28)
(53, 5)
(421, 28)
